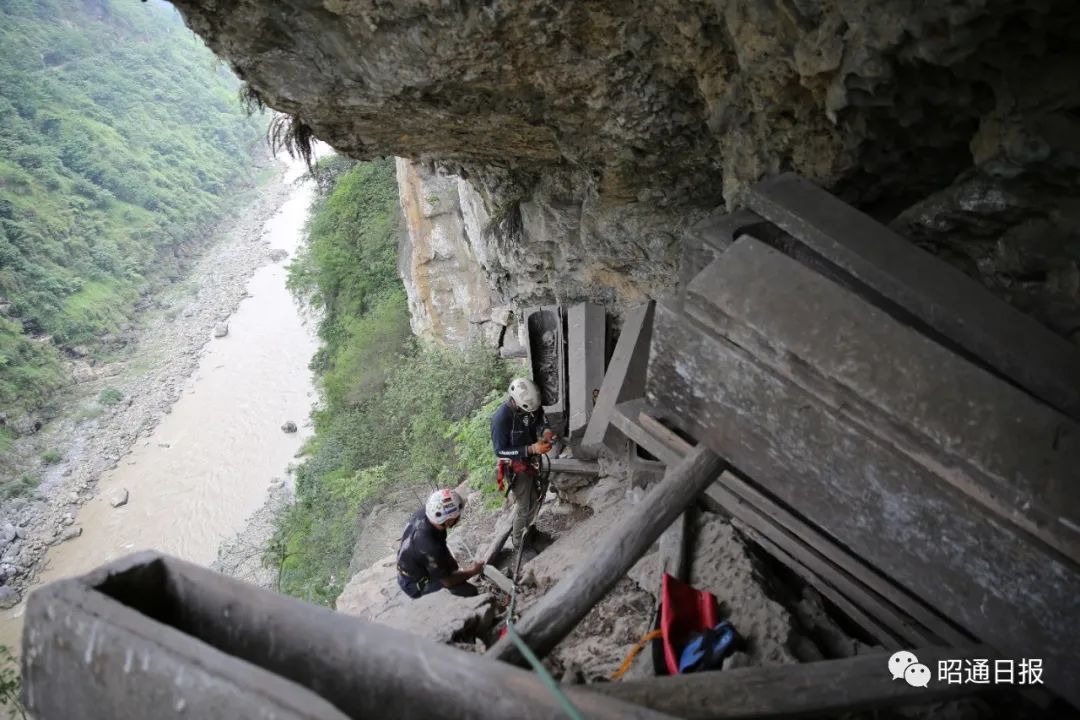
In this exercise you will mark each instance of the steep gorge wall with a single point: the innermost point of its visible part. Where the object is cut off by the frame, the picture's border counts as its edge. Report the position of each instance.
(597, 132)
(450, 298)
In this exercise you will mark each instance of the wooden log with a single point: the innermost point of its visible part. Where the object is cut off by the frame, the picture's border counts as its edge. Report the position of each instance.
(574, 466)
(958, 307)
(502, 582)
(363, 669)
(980, 572)
(624, 379)
(503, 528)
(1009, 452)
(883, 622)
(556, 614)
(828, 687)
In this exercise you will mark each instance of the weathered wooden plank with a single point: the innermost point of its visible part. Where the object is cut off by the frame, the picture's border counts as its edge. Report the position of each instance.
(852, 566)
(586, 335)
(979, 571)
(625, 417)
(574, 466)
(251, 639)
(828, 687)
(1016, 456)
(883, 622)
(556, 614)
(720, 230)
(1014, 344)
(672, 552)
(496, 576)
(815, 540)
(503, 528)
(624, 379)
(657, 429)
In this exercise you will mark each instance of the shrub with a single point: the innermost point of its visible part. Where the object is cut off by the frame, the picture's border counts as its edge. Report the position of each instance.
(110, 396)
(51, 457)
(10, 684)
(22, 487)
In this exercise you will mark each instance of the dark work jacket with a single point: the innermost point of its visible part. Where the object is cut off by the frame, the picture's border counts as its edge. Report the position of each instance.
(513, 431)
(423, 554)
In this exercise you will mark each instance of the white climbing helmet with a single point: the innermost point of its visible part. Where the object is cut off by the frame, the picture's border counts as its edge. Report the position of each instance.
(443, 506)
(525, 394)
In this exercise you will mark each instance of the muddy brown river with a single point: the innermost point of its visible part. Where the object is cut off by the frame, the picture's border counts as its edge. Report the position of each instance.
(209, 463)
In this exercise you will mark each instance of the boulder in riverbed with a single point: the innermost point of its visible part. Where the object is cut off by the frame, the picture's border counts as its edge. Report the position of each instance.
(9, 597)
(289, 426)
(8, 533)
(221, 330)
(118, 497)
(71, 533)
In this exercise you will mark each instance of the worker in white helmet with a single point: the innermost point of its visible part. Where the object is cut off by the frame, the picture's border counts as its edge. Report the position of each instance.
(520, 434)
(424, 562)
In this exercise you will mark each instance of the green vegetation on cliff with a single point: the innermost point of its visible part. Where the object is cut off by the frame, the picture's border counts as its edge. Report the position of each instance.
(120, 139)
(394, 409)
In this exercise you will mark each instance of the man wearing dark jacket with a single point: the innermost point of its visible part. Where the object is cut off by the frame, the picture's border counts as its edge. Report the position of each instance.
(519, 433)
(424, 562)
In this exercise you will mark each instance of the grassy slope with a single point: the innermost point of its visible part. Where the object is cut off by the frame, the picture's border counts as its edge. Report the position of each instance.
(120, 137)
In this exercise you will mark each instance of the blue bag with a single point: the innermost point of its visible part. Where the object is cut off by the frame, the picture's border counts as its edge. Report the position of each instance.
(707, 650)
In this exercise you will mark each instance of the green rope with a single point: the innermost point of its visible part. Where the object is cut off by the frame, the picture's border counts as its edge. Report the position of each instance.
(545, 677)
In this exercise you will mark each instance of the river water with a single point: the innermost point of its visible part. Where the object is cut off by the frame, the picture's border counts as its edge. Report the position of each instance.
(209, 464)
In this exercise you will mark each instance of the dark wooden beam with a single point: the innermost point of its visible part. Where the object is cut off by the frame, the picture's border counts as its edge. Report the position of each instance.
(625, 417)
(586, 349)
(573, 466)
(155, 631)
(941, 296)
(805, 690)
(892, 630)
(800, 533)
(624, 379)
(556, 614)
(882, 505)
(990, 440)
(784, 520)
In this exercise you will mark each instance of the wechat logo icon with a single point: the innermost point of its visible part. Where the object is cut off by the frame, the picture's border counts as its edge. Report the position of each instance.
(903, 665)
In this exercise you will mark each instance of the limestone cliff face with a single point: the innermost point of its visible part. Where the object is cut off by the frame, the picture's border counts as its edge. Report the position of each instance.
(450, 298)
(596, 132)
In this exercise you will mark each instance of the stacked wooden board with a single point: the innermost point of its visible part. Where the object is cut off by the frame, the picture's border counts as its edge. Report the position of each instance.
(889, 437)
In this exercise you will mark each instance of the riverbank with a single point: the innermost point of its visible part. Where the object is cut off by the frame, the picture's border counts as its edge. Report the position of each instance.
(114, 406)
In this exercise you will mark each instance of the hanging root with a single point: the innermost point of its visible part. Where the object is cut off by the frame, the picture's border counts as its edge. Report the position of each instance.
(290, 133)
(250, 99)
